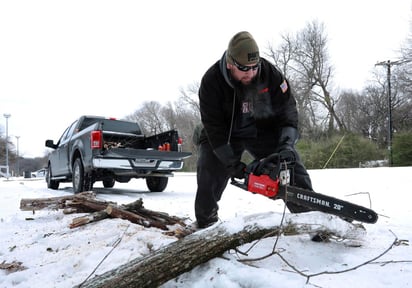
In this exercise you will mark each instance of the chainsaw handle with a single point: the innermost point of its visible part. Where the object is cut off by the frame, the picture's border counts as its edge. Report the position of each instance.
(274, 163)
(287, 158)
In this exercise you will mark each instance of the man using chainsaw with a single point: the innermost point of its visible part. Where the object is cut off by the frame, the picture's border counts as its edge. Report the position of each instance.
(245, 104)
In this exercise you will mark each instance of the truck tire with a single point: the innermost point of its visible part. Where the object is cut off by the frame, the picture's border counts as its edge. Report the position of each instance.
(109, 183)
(156, 184)
(80, 181)
(51, 184)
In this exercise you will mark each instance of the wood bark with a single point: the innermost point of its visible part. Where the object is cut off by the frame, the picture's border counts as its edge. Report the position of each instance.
(100, 209)
(133, 217)
(185, 254)
(50, 203)
(93, 217)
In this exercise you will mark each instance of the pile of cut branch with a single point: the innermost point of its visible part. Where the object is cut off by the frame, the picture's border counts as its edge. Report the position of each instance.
(87, 202)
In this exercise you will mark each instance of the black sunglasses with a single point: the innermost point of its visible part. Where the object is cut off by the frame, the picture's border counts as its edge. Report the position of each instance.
(245, 68)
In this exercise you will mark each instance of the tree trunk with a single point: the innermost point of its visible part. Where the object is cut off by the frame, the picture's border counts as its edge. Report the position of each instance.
(185, 254)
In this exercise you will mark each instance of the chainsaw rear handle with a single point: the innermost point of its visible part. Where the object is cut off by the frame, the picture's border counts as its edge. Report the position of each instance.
(274, 163)
(285, 157)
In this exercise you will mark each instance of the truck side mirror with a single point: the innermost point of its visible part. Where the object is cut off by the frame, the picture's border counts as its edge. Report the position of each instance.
(50, 144)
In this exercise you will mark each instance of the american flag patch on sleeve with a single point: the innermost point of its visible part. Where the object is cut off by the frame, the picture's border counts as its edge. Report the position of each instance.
(284, 86)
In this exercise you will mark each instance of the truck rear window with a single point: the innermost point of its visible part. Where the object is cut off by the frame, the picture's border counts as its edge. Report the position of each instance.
(121, 126)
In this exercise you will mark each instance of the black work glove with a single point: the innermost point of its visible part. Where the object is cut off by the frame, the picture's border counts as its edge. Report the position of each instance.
(288, 138)
(255, 167)
(234, 167)
(286, 147)
(237, 170)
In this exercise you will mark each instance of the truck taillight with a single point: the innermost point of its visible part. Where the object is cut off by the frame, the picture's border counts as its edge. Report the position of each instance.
(179, 144)
(96, 140)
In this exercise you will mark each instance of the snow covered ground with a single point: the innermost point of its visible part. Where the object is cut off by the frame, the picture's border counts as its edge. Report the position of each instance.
(54, 255)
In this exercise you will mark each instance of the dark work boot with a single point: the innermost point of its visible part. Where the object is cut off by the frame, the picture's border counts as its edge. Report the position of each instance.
(208, 221)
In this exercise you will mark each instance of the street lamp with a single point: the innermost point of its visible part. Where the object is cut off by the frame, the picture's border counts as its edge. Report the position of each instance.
(18, 166)
(7, 116)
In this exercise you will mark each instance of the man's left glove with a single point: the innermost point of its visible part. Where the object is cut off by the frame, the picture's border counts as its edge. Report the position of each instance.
(237, 170)
(234, 167)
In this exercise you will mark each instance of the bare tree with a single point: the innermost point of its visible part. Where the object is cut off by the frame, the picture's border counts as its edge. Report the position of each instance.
(313, 62)
(401, 98)
(150, 117)
(403, 89)
(304, 59)
(283, 58)
(189, 98)
(404, 73)
(189, 111)
(350, 110)
(170, 116)
(182, 115)
(364, 113)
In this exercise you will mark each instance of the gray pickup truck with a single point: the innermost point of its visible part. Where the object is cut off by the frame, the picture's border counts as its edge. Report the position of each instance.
(95, 148)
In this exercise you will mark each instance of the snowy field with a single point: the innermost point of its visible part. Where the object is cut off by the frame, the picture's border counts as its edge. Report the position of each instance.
(53, 255)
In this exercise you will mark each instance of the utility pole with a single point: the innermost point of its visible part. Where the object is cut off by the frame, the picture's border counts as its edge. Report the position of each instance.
(7, 116)
(18, 164)
(388, 65)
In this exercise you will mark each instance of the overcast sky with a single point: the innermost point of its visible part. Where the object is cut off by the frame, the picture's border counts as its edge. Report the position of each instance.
(62, 59)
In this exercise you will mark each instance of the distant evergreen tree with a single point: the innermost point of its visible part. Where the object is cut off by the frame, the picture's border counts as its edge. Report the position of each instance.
(338, 151)
(402, 149)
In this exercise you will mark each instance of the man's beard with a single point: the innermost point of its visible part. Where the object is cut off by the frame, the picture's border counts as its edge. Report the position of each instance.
(260, 104)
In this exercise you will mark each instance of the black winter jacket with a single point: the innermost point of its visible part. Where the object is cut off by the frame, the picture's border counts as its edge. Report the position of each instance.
(217, 94)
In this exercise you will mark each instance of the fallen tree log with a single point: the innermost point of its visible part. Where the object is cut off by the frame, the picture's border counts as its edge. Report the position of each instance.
(179, 257)
(32, 204)
(185, 254)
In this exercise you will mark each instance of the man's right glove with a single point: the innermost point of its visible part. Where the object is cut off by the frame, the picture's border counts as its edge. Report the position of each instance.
(255, 167)
(288, 138)
(287, 141)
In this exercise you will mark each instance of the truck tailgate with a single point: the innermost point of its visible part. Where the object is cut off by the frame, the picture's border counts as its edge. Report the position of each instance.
(131, 153)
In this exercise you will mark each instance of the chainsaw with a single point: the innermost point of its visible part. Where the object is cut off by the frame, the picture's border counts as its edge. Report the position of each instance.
(272, 176)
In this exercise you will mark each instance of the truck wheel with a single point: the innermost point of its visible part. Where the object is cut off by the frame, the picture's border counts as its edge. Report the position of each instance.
(51, 184)
(80, 181)
(108, 183)
(156, 184)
